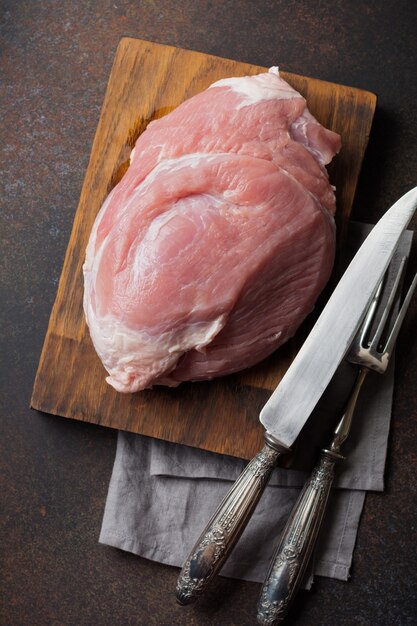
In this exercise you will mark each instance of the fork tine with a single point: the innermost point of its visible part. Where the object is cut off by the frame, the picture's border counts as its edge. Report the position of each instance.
(388, 307)
(366, 351)
(400, 318)
(367, 322)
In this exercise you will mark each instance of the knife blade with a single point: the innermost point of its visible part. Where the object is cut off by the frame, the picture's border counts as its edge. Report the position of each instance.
(331, 336)
(292, 402)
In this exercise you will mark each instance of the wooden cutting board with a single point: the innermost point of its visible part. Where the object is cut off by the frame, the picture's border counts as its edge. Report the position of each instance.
(147, 81)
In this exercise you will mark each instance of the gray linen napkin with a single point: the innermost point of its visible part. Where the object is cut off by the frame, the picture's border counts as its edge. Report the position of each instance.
(161, 495)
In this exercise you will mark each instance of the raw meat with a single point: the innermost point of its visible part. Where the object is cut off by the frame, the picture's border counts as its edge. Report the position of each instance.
(214, 246)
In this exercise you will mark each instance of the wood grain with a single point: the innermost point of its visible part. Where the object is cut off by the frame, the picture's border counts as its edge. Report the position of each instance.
(147, 81)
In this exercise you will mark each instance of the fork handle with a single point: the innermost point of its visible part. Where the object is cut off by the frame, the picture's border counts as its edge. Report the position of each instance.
(294, 550)
(228, 522)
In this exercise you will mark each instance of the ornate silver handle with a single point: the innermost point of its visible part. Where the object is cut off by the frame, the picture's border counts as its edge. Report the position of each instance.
(293, 553)
(228, 522)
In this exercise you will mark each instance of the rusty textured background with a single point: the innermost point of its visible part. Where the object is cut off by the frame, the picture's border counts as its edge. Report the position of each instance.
(54, 64)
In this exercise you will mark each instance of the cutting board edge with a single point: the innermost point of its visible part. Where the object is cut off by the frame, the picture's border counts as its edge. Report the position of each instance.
(237, 453)
(372, 96)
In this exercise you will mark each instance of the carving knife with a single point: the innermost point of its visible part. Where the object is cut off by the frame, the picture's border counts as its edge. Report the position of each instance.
(291, 404)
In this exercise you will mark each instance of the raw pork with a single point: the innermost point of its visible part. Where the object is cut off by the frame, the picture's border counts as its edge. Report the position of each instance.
(214, 246)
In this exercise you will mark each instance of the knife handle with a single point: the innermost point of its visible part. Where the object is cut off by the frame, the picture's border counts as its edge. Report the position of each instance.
(294, 550)
(228, 522)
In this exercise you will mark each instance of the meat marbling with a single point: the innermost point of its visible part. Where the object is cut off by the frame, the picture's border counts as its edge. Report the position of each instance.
(214, 246)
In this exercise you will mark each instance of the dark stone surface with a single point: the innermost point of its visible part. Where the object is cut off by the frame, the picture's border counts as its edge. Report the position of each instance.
(55, 62)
